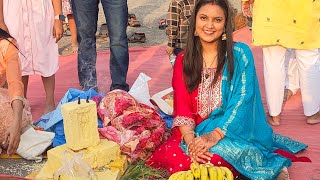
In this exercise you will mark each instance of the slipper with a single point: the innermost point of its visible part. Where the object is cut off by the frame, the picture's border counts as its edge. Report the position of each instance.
(163, 24)
(103, 32)
(132, 21)
(137, 38)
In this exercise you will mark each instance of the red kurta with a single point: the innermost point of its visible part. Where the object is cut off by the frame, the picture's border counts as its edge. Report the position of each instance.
(189, 109)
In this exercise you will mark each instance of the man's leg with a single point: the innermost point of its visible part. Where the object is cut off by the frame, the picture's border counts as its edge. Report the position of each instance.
(309, 71)
(292, 82)
(274, 78)
(85, 13)
(116, 12)
(292, 78)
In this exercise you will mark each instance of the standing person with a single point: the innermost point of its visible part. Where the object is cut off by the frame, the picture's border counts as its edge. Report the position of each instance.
(37, 27)
(277, 30)
(86, 16)
(292, 77)
(67, 12)
(178, 18)
(218, 110)
(14, 109)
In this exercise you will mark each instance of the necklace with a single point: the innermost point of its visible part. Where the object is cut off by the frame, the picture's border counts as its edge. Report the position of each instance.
(213, 60)
(206, 71)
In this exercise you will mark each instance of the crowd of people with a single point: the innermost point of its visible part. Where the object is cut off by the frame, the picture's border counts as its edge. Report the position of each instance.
(218, 111)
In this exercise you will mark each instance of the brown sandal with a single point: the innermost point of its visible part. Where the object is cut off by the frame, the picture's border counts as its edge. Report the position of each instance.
(137, 38)
(132, 21)
(163, 24)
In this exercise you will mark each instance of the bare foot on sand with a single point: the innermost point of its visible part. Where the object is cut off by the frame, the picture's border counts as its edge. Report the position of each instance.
(314, 119)
(74, 48)
(273, 120)
(284, 174)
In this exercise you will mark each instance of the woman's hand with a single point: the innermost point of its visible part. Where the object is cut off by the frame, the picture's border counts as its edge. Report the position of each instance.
(12, 138)
(245, 7)
(57, 30)
(199, 147)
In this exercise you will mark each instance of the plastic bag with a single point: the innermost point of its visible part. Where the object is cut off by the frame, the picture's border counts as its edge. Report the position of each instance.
(74, 168)
(33, 143)
(140, 89)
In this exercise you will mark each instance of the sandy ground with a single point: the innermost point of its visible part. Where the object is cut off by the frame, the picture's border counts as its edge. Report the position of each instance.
(148, 12)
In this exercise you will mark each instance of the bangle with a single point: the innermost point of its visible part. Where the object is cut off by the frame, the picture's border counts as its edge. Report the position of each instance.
(189, 132)
(22, 99)
(219, 133)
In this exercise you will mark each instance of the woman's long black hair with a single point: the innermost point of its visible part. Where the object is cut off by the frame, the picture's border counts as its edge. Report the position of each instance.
(4, 34)
(193, 63)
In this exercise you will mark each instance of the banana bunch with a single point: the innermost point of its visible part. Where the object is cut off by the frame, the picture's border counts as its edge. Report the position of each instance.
(203, 172)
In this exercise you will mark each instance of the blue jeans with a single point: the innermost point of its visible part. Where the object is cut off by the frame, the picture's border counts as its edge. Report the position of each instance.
(86, 16)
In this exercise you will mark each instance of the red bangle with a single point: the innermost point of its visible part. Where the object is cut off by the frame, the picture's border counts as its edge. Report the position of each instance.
(218, 133)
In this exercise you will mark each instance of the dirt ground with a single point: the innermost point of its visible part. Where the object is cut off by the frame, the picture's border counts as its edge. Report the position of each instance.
(148, 12)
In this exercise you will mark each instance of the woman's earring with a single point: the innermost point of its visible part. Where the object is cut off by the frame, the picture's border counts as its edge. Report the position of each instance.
(195, 33)
(224, 36)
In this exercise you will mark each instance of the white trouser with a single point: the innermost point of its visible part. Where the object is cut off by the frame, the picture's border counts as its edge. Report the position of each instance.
(292, 77)
(308, 63)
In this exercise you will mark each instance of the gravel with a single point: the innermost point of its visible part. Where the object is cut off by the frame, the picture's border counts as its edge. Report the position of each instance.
(148, 12)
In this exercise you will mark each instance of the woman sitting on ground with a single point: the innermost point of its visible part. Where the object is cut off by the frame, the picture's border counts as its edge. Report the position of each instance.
(218, 112)
(14, 112)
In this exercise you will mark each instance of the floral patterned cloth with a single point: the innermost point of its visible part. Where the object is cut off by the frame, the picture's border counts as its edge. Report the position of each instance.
(142, 123)
(66, 7)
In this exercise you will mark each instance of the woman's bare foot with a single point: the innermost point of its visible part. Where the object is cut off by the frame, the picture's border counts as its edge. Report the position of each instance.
(314, 119)
(273, 120)
(74, 48)
(49, 108)
(284, 174)
(287, 94)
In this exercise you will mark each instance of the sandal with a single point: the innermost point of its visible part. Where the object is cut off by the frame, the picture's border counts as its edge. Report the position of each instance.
(163, 24)
(132, 21)
(137, 38)
(103, 32)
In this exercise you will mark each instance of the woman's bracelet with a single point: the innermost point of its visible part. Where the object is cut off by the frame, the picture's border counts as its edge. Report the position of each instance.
(219, 134)
(22, 99)
(189, 132)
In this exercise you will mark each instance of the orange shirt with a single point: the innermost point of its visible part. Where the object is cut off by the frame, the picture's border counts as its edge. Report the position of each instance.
(10, 70)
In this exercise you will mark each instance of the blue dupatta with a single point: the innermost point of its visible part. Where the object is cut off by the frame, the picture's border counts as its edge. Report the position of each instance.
(249, 141)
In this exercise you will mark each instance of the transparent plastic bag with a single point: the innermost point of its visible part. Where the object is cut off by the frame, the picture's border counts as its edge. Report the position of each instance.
(74, 168)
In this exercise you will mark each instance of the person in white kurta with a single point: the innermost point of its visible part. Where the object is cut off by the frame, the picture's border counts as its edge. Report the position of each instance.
(32, 23)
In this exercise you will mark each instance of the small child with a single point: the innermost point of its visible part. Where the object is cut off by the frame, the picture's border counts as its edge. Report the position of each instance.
(67, 11)
(178, 24)
(36, 25)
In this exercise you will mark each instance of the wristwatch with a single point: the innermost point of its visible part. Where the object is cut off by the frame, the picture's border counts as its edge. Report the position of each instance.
(60, 17)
